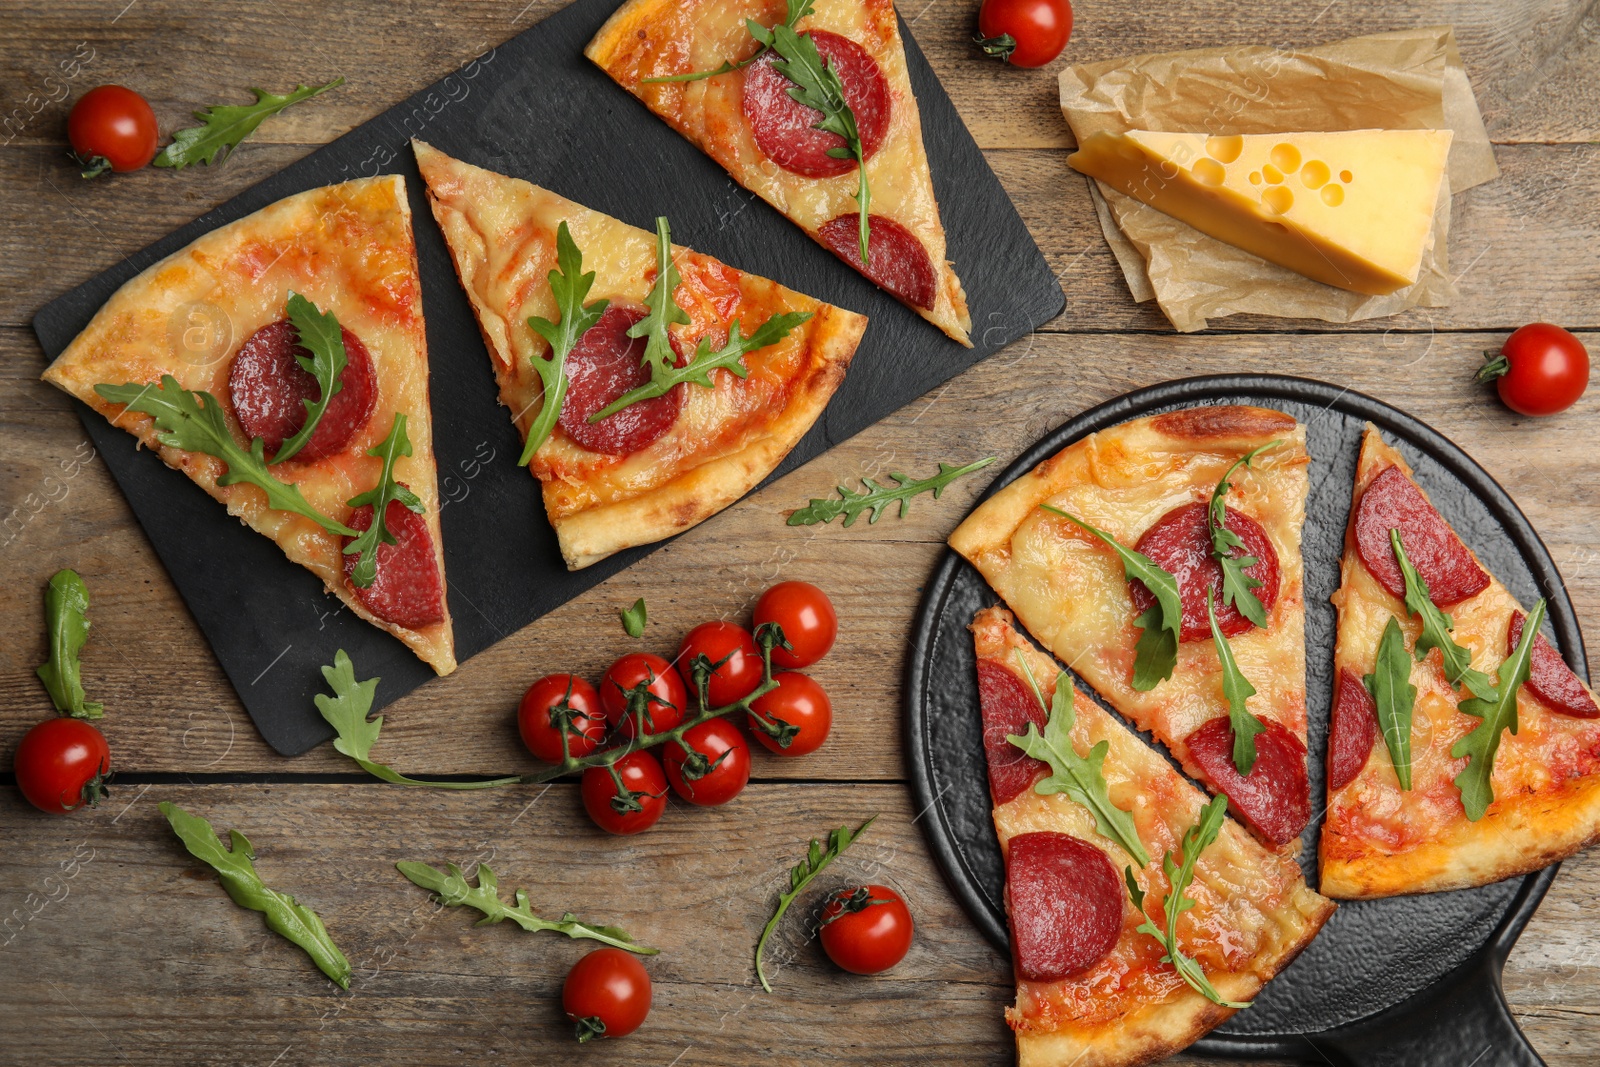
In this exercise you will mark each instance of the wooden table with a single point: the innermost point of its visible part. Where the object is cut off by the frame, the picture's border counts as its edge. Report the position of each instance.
(119, 948)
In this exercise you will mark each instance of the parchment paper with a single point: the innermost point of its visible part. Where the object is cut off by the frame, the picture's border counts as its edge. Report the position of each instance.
(1408, 79)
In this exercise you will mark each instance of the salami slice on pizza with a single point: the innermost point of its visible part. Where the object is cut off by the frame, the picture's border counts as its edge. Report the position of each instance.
(1093, 987)
(280, 362)
(686, 385)
(758, 115)
(1493, 788)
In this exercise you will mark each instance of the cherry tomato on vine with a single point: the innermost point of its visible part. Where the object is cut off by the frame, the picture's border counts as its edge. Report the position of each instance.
(62, 764)
(645, 787)
(720, 641)
(667, 699)
(538, 728)
(606, 994)
(800, 702)
(724, 766)
(866, 929)
(1541, 369)
(1024, 33)
(808, 620)
(112, 128)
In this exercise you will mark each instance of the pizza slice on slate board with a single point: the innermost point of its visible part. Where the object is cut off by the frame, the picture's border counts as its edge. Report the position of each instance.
(786, 114)
(1095, 985)
(221, 355)
(682, 381)
(1462, 749)
(1203, 506)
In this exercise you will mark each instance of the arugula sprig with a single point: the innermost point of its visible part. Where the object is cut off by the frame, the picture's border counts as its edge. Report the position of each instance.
(1179, 877)
(874, 497)
(797, 10)
(1499, 713)
(225, 125)
(1237, 690)
(1238, 588)
(1436, 629)
(635, 618)
(569, 285)
(318, 333)
(1394, 697)
(66, 607)
(801, 875)
(366, 543)
(663, 308)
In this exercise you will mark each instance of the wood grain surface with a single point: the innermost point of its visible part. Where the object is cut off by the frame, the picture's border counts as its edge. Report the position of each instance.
(117, 947)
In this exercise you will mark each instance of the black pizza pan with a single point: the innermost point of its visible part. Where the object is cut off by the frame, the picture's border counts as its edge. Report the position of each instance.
(1406, 982)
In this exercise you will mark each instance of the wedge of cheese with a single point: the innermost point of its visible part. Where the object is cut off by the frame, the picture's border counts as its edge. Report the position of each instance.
(1352, 210)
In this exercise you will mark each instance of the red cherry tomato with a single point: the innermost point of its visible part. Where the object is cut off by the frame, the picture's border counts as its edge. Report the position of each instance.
(730, 646)
(1541, 369)
(1038, 28)
(536, 724)
(808, 620)
(866, 929)
(800, 702)
(645, 787)
(61, 764)
(666, 697)
(724, 766)
(606, 994)
(112, 128)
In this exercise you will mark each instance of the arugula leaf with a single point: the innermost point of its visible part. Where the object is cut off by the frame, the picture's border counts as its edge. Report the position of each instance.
(798, 9)
(663, 308)
(634, 618)
(1499, 713)
(800, 875)
(319, 333)
(454, 892)
(1238, 588)
(187, 425)
(225, 125)
(366, 543)
(1436, 629)
(66, 606)
(1195, 841)
(878, 497)
(1394, 697)
(1156, 654)
(1082, 778)
(569, 285)
(238, 875)
(1237, 689)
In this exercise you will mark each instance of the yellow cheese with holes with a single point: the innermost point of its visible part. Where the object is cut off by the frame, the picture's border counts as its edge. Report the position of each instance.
(1353, 209)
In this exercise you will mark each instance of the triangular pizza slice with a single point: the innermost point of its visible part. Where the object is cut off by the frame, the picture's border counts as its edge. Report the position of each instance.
(1098, 980)
(1160, 560)
(789, 102)
(280, 362)
(1462, 750)
(682, 381)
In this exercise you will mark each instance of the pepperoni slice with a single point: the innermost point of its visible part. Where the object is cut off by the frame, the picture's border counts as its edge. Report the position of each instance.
(1180, 543)
(1549, 677)
(270, 389)
(1352, 730)
(604, 364)
(896, 260)
(1065, 900)
(1008, 707)
(1393, 502)
(1275, 799)
(785, 129)
(408, 590)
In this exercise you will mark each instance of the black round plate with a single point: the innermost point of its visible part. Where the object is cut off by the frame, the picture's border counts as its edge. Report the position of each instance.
(1372, 955)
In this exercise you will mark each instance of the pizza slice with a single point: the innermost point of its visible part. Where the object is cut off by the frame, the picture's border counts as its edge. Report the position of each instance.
(682, 382)
(280, 362)
(1160, 560)
(809, 106)
(1487, 761)
(1141, 917)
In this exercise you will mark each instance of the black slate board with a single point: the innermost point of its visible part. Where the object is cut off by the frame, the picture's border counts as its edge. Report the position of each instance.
(535, 108)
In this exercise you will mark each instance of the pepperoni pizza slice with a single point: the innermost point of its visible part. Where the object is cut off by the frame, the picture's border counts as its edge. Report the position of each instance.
(1094, 985)
(219, 357)
(1494, 788)
(1206, 505)
(786, 111)
(682, 381)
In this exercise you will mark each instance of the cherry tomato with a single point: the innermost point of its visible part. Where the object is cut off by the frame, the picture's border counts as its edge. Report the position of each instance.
(62, 764)
(800, 702)
(723, 763)
(606, 994)
(730, 646)
(112, 128)
(1541, 369)
(866, 929)
(808, 620)
(666, 697)
(646, 789)
(1038, 30)
(536, 722)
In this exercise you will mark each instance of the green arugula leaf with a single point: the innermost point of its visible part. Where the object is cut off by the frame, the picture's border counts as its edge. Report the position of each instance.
(1394, 697)
(1436, 629)
(366, 543)
(569, 285)
(225, 125)
(800, 875)
(798, 9)
(1237, 689)
(66, 606)
(1195, 841)
(184, 423)
(1238, 588)
(875, 497)
(634, 618)
(319, 333)
(237, 873)
(663, 308)
(1081, 778)
(1499, 713)
(454, 892)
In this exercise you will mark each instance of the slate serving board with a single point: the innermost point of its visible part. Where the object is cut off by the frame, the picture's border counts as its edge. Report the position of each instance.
(535, 108)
